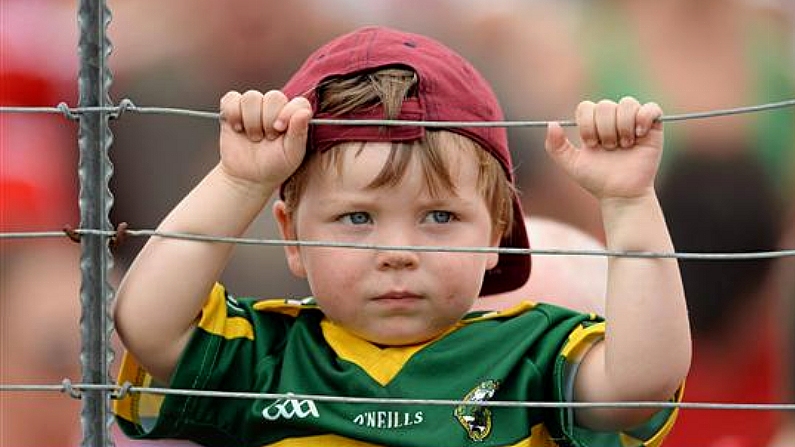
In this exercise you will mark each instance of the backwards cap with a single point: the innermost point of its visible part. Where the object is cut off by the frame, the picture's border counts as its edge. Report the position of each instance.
(448, 89)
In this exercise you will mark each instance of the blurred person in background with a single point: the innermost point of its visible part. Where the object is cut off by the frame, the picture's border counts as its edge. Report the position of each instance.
(786, 275)
(39, 278)
(39, 340)
(685, 44)
(720, 182)
(747, 43)
(738, 340)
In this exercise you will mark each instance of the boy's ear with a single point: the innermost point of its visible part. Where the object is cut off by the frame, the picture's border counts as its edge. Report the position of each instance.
(494, 258)
(287, 230)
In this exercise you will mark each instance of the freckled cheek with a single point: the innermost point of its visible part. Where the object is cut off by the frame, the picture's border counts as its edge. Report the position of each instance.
(461, 273)
(465, 261)
(336, 294)
(331, 271)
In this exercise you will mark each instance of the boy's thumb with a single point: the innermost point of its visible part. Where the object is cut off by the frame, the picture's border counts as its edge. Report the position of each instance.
(297, 131)
(557, 145)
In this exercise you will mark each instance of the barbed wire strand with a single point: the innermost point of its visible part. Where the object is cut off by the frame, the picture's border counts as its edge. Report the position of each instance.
(120, 391)
(727, 256)
(127, 105)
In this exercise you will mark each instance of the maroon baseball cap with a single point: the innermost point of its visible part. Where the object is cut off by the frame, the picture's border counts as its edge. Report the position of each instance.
(448, 89)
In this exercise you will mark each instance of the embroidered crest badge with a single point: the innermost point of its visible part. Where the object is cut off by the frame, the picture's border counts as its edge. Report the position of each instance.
(476, 419)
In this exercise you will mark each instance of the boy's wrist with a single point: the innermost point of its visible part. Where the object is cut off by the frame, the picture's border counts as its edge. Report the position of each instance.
(246, 188)
(634, 224)
(619, 203)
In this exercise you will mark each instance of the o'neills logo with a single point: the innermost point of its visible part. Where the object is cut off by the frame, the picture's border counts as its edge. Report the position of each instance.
(290, 409)
(388, 419)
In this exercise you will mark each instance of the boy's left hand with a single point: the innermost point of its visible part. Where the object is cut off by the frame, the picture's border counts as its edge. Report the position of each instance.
(621, 152)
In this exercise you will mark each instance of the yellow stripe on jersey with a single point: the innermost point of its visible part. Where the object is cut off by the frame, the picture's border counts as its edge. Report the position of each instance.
(382, 364)
(581, 340)
(282, 306)
(518, 309)
(659, 437)
(136, 407)
(215, 321)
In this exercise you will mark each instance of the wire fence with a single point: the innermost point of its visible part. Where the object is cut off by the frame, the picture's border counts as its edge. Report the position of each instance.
(77, 391)
(115, 111)
(96, 236)
(116, 237)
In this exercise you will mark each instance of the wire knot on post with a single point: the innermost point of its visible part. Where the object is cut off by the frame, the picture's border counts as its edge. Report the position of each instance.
(70, 389)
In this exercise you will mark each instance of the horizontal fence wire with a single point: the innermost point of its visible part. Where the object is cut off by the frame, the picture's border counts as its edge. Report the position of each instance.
(120, 391)
(727, 256)
(127, 105)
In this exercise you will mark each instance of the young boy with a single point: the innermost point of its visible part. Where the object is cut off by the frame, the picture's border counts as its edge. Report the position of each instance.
(389, 323)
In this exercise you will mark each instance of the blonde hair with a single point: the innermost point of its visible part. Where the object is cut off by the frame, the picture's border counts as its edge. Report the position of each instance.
(389, 87)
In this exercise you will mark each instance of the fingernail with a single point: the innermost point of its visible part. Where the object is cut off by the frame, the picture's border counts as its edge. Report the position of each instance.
(238, 127)
(279, 125)
(640, 131)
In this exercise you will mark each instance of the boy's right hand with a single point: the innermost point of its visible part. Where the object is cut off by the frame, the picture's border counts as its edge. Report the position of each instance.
(263, 137)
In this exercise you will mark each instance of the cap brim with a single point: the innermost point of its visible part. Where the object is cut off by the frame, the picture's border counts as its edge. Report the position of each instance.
(512, 270)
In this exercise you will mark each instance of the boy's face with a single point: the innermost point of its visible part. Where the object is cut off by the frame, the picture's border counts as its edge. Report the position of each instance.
(391, 297)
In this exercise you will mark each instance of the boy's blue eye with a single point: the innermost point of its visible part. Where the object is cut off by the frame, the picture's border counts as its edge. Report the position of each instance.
(357, 218)
(440, 216)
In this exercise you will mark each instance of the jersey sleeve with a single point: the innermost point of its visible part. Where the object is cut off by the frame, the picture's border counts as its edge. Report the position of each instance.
(650, 434)
(225, 353)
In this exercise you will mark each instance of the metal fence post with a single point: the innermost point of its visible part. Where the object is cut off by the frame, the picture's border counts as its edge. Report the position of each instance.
(95, 201)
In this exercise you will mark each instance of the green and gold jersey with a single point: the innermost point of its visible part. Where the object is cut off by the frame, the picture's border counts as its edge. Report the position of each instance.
(528, 353)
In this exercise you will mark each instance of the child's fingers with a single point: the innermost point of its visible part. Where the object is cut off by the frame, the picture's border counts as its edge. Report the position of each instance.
(605, 117)
(585, 123)
(230, 110)
(646, 118)
(626, 121)
(273, 103)
(251, 112)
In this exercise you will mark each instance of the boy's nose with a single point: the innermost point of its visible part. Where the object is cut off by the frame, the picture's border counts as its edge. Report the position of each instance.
(397, 259)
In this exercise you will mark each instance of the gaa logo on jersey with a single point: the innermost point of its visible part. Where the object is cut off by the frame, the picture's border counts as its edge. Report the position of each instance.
(286, 408)
(476, 419)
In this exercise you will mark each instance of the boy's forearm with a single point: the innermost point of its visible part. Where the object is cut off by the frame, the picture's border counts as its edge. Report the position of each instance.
(648, 335)
(164, 289)
(646, 351)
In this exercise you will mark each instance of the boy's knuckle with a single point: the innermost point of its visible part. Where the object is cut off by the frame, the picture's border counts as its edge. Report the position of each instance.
(605, 103)
(274, 95)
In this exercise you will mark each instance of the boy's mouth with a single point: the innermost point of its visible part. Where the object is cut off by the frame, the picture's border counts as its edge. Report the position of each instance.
(398, 296)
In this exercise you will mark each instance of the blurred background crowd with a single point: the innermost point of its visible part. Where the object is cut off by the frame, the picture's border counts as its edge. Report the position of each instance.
(727, 184)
